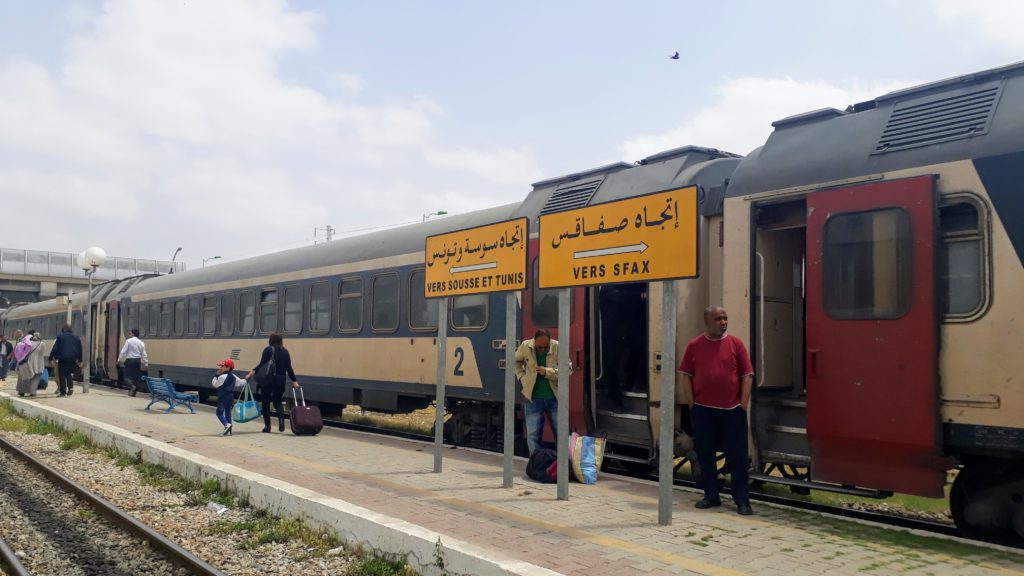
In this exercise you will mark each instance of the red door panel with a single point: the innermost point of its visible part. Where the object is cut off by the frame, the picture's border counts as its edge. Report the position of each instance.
(872, 337)
(547, 317)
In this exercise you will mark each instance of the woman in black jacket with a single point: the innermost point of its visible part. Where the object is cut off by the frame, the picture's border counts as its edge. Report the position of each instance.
(274, 389)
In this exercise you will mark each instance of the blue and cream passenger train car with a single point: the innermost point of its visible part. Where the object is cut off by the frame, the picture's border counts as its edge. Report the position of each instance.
(871, 258)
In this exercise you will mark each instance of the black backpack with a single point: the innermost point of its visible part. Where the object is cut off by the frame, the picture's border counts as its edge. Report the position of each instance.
(266, 374)
(541, 466)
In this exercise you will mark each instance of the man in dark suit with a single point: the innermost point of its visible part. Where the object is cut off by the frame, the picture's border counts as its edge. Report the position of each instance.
(67, 351)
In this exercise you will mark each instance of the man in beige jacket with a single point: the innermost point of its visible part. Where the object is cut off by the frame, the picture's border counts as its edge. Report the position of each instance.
(537, 370)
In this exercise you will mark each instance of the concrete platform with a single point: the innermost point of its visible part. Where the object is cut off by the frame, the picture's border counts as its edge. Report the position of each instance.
(382, 490)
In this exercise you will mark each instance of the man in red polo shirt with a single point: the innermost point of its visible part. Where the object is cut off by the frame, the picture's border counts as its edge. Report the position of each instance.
(717, 376)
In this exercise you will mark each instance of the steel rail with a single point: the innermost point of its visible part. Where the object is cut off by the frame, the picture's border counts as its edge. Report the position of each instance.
(171, 550)
(12, 564)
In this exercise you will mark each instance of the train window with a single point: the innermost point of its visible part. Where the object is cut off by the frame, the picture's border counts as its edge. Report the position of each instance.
(268, 310)
(963, 270)
(246, 312)
(384, 302)
(194, 314)
(165, 318)
(209, 315)
(470, 312)
(867, 265)
(320, 307)
(293, 309)
(227, 314)
(154, 319)
(141, 318)
(350, 305)
(422, 312)
(179, 317)
(130, 318)
(544, 312)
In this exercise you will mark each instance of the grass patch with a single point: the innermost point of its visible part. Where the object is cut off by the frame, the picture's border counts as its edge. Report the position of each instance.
(263, 527)
(376, 565)
(44, 428)
(74, 441)
(86, 514)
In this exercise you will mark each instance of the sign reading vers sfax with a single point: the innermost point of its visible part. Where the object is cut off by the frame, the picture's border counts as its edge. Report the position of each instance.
(489, 258)
(640, 239)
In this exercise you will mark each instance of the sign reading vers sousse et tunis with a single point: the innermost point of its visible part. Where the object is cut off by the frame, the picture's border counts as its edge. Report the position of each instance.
(641, 239)
(489, 258)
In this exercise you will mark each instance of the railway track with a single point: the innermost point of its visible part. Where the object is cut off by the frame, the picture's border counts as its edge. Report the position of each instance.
(65, 528)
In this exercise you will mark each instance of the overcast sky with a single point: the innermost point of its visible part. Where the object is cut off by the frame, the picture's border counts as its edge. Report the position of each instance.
(234, 127)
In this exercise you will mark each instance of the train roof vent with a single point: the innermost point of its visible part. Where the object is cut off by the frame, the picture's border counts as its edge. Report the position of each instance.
(570, 196)
(940, 118)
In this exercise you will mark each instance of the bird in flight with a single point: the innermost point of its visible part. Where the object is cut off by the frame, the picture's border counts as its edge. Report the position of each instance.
(674, 56)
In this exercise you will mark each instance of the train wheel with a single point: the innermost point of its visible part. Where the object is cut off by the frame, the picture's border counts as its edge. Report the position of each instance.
(987, 500)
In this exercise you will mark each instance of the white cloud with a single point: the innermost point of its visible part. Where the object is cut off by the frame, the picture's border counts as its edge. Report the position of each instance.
(740, 119)
(500, 165)
(997, 20)
(173, 121)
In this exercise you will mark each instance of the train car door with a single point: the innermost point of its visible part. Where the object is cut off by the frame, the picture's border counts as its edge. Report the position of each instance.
(114, 336)
(872, 337)
(540, 310)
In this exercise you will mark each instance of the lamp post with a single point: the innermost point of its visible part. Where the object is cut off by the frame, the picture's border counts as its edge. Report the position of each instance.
(89, 260)
(205, 260)
(171, 271)
(438, 213)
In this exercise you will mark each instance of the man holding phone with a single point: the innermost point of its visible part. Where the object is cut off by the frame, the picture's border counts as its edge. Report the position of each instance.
(537, 370)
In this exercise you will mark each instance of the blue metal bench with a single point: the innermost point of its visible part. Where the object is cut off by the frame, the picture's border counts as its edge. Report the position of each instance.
(162, 390)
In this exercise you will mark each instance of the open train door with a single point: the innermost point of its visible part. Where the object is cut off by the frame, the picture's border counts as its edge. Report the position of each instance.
(872, 337)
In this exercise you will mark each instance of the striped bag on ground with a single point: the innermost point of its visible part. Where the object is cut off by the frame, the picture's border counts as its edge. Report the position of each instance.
(585, 455)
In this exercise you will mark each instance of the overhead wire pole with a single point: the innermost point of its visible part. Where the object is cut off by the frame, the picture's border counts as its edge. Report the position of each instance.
(564, 374)
(508, 434)
(442, 355)
(666, 439)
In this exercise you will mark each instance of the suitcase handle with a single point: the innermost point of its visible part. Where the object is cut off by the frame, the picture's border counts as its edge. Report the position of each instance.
(301, 395)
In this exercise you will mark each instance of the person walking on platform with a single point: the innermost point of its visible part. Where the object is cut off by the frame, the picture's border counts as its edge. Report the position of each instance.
(225, 383)
(133, 357)
(30, 367)
(272, 379)
(537, 371)
(717, 377)
(6, 355)
(67, 351)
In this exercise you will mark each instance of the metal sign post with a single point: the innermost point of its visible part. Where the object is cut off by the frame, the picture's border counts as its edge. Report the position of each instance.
(666, 438)
(442, 372)
(480, 260)
(564, 371)
(508, 434)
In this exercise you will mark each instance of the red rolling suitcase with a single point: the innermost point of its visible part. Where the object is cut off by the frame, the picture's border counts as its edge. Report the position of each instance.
(305, 420)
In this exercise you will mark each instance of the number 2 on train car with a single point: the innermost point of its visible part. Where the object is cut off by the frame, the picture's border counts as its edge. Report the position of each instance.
(460, 355)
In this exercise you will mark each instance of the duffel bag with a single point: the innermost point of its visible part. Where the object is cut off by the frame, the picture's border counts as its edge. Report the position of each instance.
(246, 408)
(541, 462)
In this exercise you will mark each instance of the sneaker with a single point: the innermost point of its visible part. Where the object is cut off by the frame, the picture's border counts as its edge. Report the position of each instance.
(227, 430)
(744, 509)
(704, 504)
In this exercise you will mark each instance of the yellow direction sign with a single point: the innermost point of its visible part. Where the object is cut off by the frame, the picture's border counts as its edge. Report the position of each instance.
(641, 239)
(489, 258)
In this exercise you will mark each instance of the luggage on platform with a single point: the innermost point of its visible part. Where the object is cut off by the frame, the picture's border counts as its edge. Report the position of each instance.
(543, 466)
(246, 408)
(586, 454)
(305, 420)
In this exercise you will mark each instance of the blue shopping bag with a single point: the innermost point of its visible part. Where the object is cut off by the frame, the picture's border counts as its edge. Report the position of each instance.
(246, 408)
(585, 455)
(44, 379)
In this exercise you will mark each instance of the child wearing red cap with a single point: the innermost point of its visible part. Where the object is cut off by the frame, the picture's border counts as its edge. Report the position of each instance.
(225, 382)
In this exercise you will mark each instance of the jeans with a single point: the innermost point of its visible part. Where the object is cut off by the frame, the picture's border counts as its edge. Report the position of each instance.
(4, 367)
(534, 411)
(224, 403)
(713, 427)
(65, 368)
